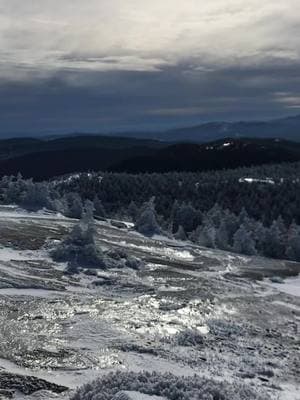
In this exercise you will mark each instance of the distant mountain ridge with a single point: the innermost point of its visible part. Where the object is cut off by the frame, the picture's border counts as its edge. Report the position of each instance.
(46, 159)
(284, 128)
(12, 148)
(287, 128)
(225, 153)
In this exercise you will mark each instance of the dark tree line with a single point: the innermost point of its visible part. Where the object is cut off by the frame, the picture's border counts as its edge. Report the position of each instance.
(263, 201)
(222, 229)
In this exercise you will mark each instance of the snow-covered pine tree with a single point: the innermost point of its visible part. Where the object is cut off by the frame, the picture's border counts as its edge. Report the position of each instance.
(133, 211)
(35, 196)
(75, 206)
(222, 236)
(180, 234)
(88, 212)
(293, 242)
(207, 236)
(79, 248)
(243, 242)
(146, 222)
(259, 235)
(99, 208)
(186, 216)
(275, 241)
(215, 215)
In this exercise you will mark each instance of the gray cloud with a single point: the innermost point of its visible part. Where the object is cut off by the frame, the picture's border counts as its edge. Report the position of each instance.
(99, 65)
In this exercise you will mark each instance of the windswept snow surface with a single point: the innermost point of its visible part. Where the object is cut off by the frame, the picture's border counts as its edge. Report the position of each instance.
(189, 311)
(289, 286)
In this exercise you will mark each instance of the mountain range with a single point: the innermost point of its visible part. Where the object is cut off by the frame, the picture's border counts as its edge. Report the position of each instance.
(44, 159)
(284, 128)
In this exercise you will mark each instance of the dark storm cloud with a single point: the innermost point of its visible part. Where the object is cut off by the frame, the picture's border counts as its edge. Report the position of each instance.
(139, 64)
(105, 101)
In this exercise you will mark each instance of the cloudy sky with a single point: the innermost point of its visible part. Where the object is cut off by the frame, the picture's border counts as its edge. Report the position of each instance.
(105, 65)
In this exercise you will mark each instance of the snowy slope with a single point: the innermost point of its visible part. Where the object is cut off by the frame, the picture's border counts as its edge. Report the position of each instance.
(189, 311)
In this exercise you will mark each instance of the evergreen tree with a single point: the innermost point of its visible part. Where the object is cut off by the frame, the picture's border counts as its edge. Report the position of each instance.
(243, 242)
(293, 242)
(231, 223)
(79, 248)
(99, 208)
(259, 236)
(88, 212)
(194, 236)
(186, 216)
(15, 190)
(146, 223)
(207, 236)
(75, 206)
(59, 205)
(215, 215)
(275, 243)
(35, 196)
(180, 234)
(133, 211)
(222, 236)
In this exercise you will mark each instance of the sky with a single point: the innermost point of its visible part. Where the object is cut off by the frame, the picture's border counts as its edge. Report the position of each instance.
(115, 65)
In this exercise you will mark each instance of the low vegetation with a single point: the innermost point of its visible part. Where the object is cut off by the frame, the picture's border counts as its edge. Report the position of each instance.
(168, 386)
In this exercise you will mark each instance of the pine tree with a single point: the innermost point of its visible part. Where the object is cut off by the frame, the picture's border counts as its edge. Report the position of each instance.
(293, 242)
(243, 242)
(222, 236)
(232, 225)
(274, 245)
(194, 236)
(99, 208)
(88, 212)
(207, 236)
(35, 196)
(133, 211)
(186, 216)
(79, 248)
(180, 234)
(243, 217)
(75, 206)
(146, 223)
(15, 190)
(259, 236)
(215, 215)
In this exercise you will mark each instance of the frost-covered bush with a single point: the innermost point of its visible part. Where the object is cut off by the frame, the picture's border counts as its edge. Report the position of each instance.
(134, 263)
(116, 254)
(166, 385)
(188, 337)
(225, 328)
(79, 248)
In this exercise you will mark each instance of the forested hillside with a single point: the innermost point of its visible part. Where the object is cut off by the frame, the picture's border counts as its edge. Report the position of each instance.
(217, 155)
(246, 210)
(265, 192)
(44, 159)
